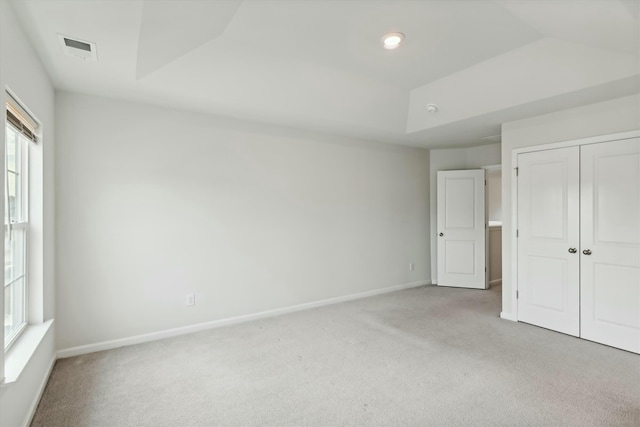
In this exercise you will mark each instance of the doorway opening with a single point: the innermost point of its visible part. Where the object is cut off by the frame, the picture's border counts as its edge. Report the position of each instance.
(494, 222)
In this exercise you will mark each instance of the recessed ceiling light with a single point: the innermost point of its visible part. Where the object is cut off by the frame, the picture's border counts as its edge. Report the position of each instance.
(392, 40)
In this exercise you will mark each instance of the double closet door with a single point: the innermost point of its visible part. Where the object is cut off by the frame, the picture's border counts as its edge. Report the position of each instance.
(579, 241)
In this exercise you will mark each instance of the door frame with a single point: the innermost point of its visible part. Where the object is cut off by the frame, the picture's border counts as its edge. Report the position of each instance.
(514, 198)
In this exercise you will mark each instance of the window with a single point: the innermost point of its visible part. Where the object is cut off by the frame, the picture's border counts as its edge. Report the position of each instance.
(18, 135)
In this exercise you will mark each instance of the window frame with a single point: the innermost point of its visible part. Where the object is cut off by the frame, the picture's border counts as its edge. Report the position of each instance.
(22, 224)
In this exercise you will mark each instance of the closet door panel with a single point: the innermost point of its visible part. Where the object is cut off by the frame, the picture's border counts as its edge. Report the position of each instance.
(610, 243)
(548, 227)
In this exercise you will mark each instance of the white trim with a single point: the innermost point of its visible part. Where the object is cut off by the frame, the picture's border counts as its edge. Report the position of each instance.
(21, 352)
(514, 240)
(495, 281)
(508, 316)
(492, 167)
(168, 333)
(514, 197)
(36, 400)
(582, 141)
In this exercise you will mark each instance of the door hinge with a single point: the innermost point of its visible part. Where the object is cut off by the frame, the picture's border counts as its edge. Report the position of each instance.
(517, 295)
(485, 182)
(517, 233)
(485, 269)
(516, 171)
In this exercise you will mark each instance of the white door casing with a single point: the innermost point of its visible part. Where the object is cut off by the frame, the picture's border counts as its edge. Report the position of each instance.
(462, 229)
(548, 239)
(610, 233)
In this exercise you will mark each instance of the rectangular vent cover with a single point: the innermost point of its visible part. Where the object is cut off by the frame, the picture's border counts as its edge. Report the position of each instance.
(78, 48)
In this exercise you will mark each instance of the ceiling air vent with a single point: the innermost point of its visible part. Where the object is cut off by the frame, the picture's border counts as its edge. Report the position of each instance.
(78, 48)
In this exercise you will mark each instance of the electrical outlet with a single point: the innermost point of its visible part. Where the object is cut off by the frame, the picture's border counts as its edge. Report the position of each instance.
(412, 266)
(191, 299)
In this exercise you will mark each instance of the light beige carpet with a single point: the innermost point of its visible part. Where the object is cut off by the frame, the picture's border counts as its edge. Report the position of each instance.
(425, 356)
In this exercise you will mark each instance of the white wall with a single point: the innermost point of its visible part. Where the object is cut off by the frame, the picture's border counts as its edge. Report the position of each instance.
(20, 398)
(453, 159)
(156, 203)
(617, 115)
(22, 73)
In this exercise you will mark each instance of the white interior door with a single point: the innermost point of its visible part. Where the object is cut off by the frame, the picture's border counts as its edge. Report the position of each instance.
(610, 249)
(548, 239)
(462, 229)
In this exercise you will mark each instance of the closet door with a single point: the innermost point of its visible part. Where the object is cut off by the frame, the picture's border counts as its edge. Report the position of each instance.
(548, 239)
(610, 246)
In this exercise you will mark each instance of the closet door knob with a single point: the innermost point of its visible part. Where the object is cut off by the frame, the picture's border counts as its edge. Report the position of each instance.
(587, 252)
(572, 250)
(441, 234)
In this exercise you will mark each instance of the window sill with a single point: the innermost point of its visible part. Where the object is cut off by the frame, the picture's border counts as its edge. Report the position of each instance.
(19, 354)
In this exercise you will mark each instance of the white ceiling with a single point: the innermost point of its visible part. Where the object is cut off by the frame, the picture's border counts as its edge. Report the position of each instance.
(319, 64)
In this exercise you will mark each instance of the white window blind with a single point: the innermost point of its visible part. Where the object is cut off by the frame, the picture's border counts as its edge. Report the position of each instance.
(20, 119)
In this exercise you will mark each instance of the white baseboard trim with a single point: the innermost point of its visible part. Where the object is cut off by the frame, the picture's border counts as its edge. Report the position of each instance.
(495, 282)
(508, 316)
(36, 400)
(138, 339)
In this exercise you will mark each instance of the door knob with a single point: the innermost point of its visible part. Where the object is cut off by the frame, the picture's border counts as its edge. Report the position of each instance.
(441, 234)
(587, 252)
(572, 250)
